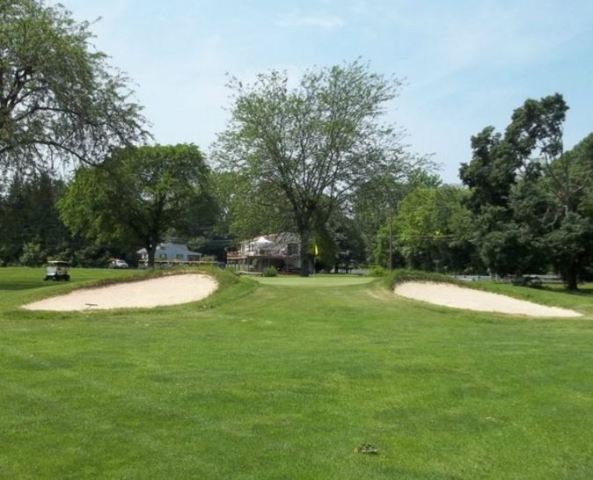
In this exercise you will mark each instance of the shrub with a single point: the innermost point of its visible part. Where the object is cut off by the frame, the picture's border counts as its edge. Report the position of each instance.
(32, 255)
(270, 272)
(401, 276)
(377, 271)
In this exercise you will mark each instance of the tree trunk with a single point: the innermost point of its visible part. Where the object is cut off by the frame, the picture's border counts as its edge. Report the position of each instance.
(571, 278)
(305, 269)
(151, 250)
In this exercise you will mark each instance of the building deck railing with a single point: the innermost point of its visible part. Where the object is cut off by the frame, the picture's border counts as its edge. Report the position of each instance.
(174, 262)
(243, 255)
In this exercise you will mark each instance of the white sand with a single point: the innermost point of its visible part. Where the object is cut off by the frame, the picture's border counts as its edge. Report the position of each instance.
(469, 299)
(168, 290)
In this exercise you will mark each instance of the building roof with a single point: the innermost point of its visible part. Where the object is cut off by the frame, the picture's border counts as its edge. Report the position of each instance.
(179, 247)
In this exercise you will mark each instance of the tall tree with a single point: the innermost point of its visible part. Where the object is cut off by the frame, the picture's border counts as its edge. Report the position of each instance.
(139, 194)
(59, 98)
(569, 218)
(528, 194)
(314, 143)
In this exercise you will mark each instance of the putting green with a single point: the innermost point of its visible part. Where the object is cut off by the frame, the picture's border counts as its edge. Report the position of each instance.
(315, 281)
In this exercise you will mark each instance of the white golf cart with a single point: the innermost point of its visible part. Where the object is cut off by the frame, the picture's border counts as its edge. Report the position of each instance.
(57, 270)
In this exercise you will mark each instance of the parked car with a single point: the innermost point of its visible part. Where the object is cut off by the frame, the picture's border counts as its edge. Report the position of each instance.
(57, 270)
(527, 281)
(118, 263)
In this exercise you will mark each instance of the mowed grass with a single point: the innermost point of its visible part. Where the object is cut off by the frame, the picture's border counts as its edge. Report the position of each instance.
(315, 281)
(283, 382)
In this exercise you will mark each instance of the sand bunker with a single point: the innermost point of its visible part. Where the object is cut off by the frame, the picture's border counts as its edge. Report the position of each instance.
(469, 299)
(169, 290)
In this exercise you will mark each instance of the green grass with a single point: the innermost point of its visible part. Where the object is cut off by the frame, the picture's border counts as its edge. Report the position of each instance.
(283, 382)
(316, 281)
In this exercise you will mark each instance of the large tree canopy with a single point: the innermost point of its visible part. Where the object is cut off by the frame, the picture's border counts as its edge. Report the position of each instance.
(139, 194)
(314, 143)
(529, 196)
(58, 96)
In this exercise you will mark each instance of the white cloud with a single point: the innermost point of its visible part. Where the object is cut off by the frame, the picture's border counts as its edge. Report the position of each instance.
(296, 20)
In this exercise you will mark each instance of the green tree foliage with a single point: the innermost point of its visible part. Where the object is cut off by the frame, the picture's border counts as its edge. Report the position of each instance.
(570, 244)
(59, 98)
(376, 201)
(433, 230)
(529, 197)
(569, 219)
(139, 195)
(314, 144)
(32, 255)
(510, 247)
(29, 216)
(339, 244)
(492, 171)
(246, 208)
(581, 159)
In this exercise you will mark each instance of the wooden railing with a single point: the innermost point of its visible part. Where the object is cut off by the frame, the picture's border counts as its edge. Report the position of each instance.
(174, 262)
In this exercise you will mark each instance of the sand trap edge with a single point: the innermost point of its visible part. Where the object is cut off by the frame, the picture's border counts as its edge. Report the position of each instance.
(161, 291)
(463, 298)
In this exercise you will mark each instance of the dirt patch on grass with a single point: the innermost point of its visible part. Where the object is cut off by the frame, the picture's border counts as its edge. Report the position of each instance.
(469, 299)
(154, 292)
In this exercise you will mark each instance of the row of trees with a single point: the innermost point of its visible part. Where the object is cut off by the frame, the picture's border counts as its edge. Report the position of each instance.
(299, 159)
(525, 207)
(315, 158)
(62, 106)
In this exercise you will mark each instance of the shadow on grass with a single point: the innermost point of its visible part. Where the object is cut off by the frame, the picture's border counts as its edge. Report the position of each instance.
(24, 285)
(581, 292)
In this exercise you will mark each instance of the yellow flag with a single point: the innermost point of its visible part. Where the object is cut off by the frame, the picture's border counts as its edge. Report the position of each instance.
(316, 250)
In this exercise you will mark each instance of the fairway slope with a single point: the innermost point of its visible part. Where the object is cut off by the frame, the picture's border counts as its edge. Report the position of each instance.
(315, 281)
(453, 296)
(154, 292)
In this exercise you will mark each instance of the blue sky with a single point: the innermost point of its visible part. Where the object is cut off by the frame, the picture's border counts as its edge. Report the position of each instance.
(466, 64)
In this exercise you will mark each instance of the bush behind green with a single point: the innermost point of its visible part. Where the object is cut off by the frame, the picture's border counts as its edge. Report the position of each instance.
(403, 275)
(270, 272)
(377, 271)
